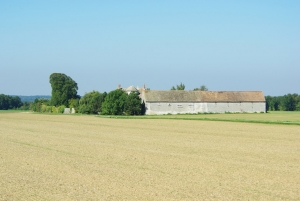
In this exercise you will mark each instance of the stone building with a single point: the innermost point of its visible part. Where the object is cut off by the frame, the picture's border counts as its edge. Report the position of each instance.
(193, 102)
(129, 89)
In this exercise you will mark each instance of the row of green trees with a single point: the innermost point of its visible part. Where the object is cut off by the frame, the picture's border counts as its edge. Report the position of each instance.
(9, 102)
(116, 102)
(64, 94)
(288, 102)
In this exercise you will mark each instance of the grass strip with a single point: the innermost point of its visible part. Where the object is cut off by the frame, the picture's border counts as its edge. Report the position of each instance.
(13, 111)
(206, 119)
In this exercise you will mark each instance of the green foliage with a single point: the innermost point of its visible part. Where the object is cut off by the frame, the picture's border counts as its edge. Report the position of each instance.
(61, 109)
(25, 106)
(46, 109)
(39, 105)
(133, 105)
(117, 102)
(54, 109)
(74, 103)
(268, 100)
(114, 103)
(43, 105)
(272, 103)
(178, 87)
(143, 110)
(288, 102)
(91, 103)
(63, 89)
(202, 88)
(9, 102)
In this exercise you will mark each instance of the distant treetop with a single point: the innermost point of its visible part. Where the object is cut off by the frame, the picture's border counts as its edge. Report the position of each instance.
(178, 87)
(202, 88)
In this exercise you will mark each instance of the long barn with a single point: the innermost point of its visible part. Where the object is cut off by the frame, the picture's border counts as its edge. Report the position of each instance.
(193, 102)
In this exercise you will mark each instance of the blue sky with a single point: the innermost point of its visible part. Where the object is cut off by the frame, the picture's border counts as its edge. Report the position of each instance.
(225, 45)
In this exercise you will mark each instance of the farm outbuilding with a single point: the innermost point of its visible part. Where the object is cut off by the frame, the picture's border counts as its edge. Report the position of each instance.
(129, 89)
(193, 102)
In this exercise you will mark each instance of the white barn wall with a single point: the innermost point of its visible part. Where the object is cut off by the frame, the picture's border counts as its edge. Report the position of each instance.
(200, 107)
(169, 108)
(259, 107)
(247, 107)
(194, 108)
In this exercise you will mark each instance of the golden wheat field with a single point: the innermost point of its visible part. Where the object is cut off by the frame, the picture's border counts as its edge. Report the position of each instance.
(66, 157)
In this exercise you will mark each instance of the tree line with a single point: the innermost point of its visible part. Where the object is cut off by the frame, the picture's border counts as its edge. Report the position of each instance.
(116, 102)
(288, 102)
(64, 95)
(9, 102)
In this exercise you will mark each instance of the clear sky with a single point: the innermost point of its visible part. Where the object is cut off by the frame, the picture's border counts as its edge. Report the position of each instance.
(226, 45)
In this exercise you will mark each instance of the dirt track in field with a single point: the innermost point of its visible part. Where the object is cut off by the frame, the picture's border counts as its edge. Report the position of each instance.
(56, 157)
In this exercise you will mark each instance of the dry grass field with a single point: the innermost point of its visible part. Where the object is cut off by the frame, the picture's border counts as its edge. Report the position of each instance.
(66, 157)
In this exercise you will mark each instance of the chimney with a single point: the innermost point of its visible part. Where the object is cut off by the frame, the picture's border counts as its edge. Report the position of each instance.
(119, 86)
(144, 86)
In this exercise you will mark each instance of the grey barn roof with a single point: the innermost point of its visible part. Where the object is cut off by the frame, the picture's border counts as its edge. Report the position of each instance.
(203, 96)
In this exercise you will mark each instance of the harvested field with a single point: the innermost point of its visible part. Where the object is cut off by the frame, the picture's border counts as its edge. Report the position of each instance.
(65, 157)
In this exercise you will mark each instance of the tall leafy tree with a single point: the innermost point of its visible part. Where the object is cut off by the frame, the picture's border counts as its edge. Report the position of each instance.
(91, 103)
(64, 88)
(268, 101)
(133, 104)
(114, 103)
